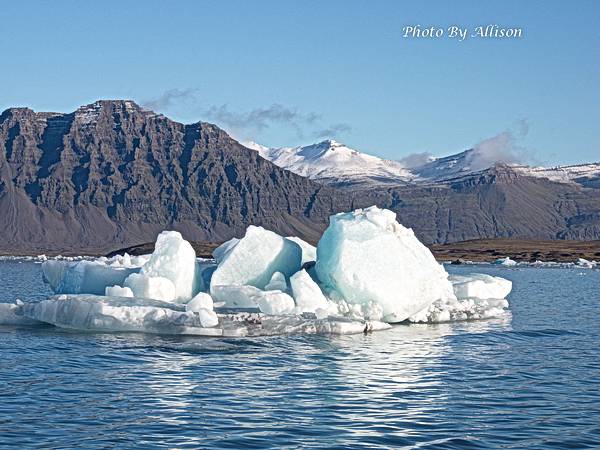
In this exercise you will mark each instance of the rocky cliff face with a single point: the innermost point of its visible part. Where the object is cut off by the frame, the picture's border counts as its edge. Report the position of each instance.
(112, 174)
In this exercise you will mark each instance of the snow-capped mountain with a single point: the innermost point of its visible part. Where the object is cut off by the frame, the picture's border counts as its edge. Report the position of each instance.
(334, 163)
(583, 174)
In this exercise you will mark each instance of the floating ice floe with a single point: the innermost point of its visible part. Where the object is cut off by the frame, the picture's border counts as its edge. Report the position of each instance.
(505, 262)
(478, 296)
(368, 271)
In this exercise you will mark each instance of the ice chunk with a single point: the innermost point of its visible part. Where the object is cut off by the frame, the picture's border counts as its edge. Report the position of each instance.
(252, 298)
(480, 286)
(581, 262)
(277, 283)
(505, 262)
(12, 314)
(307, 293)
(174, 259)
(144, 286)
(255, 258)
(309, 252)
(201, 301)
(367, 256)
(275, 303)
(222, 250)
(118, 291)
(99, 313)
(90, 277)
(461, 309)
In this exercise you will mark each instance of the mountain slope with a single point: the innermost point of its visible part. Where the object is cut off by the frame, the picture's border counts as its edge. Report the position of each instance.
(112, 174)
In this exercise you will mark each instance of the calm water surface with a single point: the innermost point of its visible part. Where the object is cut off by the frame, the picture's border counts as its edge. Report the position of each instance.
(530, 381)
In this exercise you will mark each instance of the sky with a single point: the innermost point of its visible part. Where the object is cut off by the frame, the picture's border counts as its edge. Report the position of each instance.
(286, 73)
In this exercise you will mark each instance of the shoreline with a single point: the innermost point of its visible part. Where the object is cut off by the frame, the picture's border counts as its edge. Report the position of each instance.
(484, 250)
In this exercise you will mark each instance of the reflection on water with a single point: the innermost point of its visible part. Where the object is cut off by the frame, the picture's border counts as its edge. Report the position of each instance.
(525, 381)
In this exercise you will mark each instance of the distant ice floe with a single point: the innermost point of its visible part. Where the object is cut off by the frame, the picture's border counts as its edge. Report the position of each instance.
(367, 272)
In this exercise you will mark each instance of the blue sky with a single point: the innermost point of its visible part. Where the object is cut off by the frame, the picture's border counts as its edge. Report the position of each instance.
(291, 72)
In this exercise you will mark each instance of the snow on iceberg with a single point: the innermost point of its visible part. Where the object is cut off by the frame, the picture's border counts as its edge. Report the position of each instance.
(254, 260)
(366, 256)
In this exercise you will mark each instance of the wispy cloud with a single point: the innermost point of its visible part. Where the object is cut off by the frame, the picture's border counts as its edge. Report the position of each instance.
(171, 98)
(505, 147)
(248, 124)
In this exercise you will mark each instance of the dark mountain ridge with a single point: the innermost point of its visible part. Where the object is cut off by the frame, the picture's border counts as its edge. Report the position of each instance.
(112, 174)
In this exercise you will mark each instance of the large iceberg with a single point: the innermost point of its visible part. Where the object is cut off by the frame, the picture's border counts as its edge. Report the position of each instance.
(366, 256)
(369, 271)
(254, 259)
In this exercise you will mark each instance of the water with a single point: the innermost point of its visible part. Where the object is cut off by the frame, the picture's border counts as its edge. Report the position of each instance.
(522, 382)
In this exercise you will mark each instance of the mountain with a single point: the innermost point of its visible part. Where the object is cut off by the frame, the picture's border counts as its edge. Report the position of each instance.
(112, 174)
(463, 196)
(333, 163)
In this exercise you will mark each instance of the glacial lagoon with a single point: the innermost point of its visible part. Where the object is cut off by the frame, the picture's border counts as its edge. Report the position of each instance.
(527, 379)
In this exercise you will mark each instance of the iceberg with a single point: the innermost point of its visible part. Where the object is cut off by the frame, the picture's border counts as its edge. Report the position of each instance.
(254, 260)
(505, 262)
(367, 271)
(366, 256)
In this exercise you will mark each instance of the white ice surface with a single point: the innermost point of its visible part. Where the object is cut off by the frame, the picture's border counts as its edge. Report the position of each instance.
(505, 262)
(366, 256)
(146, 286)
(118, 291)
(308, 295)
(174, 259)
(480, 286)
